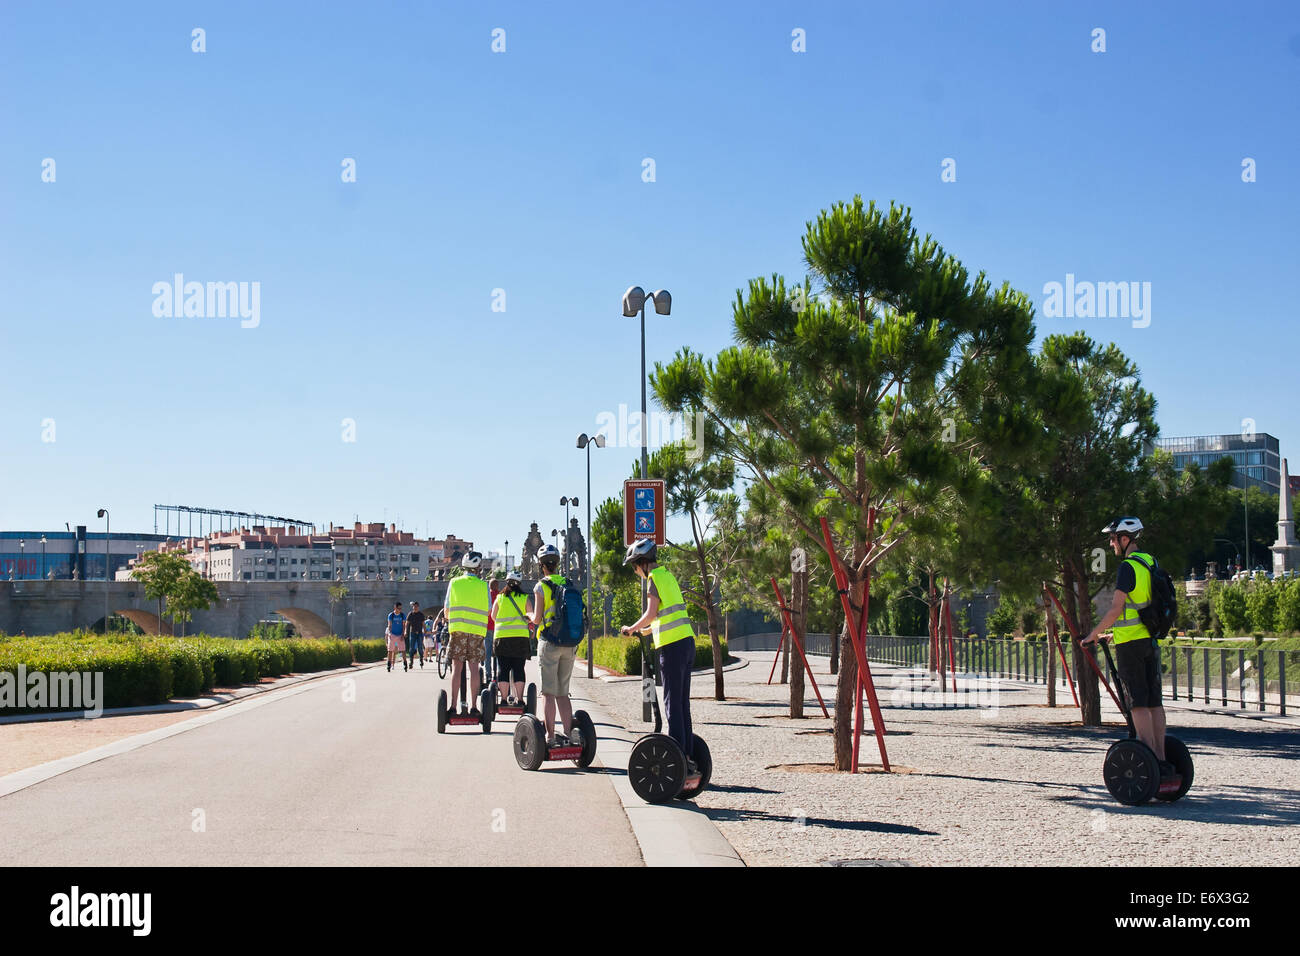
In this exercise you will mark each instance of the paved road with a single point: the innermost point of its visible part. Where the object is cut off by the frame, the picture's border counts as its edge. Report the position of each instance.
(302, 777)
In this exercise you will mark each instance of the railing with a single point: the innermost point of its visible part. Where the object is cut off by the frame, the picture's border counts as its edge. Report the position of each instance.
(1228, 677)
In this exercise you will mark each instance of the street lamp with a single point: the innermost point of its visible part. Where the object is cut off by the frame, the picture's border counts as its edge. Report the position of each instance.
(585, 442)
(566, 502)
(42, 556)
(22, 558)
(555, 538)
(506, 560)
(634, 303)
(108, 538)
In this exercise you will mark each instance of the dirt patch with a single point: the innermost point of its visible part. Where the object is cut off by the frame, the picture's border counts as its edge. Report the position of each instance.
(716, 701)
(28, 744)
(830, 768)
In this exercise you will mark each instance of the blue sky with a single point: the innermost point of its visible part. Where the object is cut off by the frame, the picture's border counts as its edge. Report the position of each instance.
(522, 171)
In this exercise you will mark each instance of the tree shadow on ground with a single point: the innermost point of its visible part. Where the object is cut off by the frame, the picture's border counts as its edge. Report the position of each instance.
(869, 826)
(733, 788)
(1280, 743)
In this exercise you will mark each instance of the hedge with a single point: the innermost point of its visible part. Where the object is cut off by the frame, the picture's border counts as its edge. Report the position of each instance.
(151, 670)
(622, 655)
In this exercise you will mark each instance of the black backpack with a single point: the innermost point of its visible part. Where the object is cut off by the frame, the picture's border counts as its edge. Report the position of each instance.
(1162, 610)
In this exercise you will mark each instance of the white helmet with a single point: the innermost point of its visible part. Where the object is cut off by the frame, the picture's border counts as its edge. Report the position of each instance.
(472, 560)
(1127, 525)
(512, 577)
(548, 555)
(643, 549)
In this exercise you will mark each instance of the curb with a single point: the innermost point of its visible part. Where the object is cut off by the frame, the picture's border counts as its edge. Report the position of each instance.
(197, 704)
(670, 834)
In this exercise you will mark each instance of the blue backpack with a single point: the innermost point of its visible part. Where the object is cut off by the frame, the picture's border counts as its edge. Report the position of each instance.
(570, 620)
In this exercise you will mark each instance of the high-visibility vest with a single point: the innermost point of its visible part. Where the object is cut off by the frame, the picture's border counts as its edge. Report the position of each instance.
(548, 606)
(510, 620)
(467, 606)
(1129, 627)
(672, 624)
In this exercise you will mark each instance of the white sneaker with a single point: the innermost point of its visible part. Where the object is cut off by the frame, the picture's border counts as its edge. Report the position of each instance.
(575, 737)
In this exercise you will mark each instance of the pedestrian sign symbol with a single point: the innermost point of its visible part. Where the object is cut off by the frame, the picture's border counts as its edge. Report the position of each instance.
(645, 501)
(645, 523)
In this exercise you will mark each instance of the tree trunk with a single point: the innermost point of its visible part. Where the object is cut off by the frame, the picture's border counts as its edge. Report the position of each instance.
(1085, 679)
(714, 632)
(933, 617)
(785, 651)
(798, 613)
(1050, 635)
(846, 687)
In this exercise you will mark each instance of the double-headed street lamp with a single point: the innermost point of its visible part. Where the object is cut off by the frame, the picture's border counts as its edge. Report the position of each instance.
(585, 442)
(566, 502)
(108, 539)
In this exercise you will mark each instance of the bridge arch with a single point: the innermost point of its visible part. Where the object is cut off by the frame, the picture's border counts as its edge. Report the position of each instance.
(307, 623)
(145, 620)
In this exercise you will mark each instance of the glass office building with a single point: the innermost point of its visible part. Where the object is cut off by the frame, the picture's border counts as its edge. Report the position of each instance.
(1258, 463)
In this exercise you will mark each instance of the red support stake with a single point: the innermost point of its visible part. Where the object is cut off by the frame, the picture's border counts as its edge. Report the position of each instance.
(952, 659)
(779, 644)
(1087, 655)
(788, 623)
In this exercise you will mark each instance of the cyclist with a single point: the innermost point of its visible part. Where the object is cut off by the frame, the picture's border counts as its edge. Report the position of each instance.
(467, 616)
(396, 642)
(556, 662)
(1137, 657)
(510, 645)
(674, 641)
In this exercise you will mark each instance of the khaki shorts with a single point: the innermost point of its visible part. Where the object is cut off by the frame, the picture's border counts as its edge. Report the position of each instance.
(557, 667)
(466, 647)
(396, 644)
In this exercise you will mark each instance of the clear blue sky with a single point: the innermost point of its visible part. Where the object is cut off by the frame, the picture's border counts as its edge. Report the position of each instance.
(522, 171)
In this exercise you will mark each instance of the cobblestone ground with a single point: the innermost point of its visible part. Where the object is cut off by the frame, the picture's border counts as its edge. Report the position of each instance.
(1011, 782)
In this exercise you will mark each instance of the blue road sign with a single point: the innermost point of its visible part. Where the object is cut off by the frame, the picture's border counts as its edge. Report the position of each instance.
(645, 520)
(645, 501)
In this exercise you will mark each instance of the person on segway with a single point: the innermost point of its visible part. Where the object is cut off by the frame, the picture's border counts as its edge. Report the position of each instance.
(467, 616)
(510, 646)
(1137, 656)
(674, 641)
(556, 661)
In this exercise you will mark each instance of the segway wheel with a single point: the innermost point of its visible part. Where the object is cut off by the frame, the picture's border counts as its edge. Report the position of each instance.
(1131, 772)
(530, 742)
(587, 727)
(442, 711)
(530, 704)
(704, 761)
(656, 768)
(444, 661)
(1177, 754)
(487, 708)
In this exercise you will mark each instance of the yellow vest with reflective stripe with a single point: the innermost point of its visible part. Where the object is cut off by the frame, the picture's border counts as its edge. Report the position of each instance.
(509, 621)
(1129, 627)
(672, 624)
(468, 600)
(548, 606)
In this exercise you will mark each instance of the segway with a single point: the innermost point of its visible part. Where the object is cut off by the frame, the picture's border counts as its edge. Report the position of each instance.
(501, 708)
(1131, 770)
(657, 767)
(530, 743)
(485, 707)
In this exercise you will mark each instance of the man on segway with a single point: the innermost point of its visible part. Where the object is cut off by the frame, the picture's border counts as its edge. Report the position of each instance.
(510, 646)
(555, 660)
(1136, 652)
(467, 617)
(674, 641)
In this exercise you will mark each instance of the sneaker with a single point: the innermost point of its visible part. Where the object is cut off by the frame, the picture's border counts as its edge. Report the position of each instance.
(1167, 770)
(390, 667)
(692, 768)
(575, 738)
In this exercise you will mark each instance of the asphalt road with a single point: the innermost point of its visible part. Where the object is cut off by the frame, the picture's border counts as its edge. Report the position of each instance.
(304, 777)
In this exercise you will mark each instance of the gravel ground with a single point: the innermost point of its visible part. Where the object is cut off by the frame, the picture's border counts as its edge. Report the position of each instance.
(1011, 782)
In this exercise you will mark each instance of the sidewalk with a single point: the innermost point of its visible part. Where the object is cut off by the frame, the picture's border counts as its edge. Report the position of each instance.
(1008, 782)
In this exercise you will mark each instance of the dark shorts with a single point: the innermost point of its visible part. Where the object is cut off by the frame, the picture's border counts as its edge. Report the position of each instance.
(1138, 663)
(510, 669)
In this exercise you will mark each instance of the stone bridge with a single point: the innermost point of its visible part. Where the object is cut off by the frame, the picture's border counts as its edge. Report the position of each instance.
(47, 607)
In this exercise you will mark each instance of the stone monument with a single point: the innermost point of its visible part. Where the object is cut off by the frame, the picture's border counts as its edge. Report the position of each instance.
(1286, 551)
(528, 568)
(575, 553)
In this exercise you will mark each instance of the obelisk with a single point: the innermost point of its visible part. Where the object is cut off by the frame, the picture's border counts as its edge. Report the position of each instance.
(1286, 551)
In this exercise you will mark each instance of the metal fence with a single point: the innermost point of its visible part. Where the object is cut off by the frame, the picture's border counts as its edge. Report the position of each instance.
(1252, 678)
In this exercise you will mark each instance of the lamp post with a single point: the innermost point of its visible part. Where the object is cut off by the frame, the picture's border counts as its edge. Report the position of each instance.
(108, 538)
(555, 538)
(506, 560)
(42, 557)
(566, 502)
(22, 558)
(633, 303)
(585, 442)
(1245, 510)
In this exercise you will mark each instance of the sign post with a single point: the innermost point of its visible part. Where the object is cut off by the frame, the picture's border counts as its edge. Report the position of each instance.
(643, 517)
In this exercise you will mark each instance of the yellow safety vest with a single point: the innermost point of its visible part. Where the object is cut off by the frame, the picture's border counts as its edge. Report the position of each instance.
(672, 624)
(509, 621)
(548, 606)
(468, 600)
(1129, 627)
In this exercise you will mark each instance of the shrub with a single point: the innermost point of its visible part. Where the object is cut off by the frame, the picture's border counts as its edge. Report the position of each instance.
(1261, 605)
(1230, 607)
(622, 655)
(1002, 621)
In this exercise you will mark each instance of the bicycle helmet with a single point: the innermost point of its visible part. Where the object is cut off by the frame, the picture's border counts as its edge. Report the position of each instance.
(512, 577)
(549, 557)
(643, 549)
(472, 560)
(1127, 525)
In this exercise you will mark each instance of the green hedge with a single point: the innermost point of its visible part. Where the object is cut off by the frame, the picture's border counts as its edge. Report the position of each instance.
(622, 655)
(150, 670)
